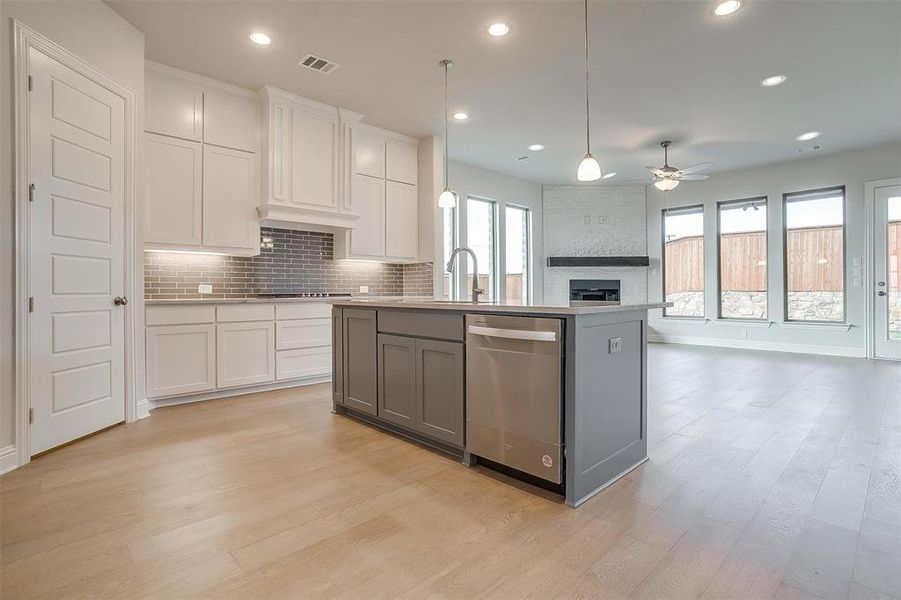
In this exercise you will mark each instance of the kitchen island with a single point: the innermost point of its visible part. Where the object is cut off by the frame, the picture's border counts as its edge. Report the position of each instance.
(555, 395)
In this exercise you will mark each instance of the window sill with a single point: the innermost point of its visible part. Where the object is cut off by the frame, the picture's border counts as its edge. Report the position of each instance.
(816, 326)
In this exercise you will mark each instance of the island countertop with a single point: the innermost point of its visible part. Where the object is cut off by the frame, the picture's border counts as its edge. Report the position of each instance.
(494, 307)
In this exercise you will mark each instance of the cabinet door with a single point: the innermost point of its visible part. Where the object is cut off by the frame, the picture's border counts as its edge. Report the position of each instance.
(360, 381)
(315, 161)
(173, 187)
(397, 380)
(367, 239)
(172, 106)
(401, 221)
(245, 353)
(439, 390)
(338, 355)
(181, 359)
(369, 154)
(230, 196)
(401, 162)
(231, 121)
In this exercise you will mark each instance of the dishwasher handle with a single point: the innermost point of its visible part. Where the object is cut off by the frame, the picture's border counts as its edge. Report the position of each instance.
(514, 334)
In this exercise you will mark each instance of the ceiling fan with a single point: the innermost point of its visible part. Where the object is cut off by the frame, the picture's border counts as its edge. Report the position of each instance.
(667, 178)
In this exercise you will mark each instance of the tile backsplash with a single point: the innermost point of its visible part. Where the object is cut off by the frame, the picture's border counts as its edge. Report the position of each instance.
(299, 261)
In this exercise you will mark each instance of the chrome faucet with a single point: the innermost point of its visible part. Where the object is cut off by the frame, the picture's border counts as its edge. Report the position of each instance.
(476, 290)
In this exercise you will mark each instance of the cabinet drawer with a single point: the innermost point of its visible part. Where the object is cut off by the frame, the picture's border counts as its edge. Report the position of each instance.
(303, 310)
(245, 312)
(303, 333)
(179, 315)
(431, 325)
(303, 362)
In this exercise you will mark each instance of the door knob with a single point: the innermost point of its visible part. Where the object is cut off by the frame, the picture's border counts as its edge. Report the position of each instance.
(880, 293)
(120, 300)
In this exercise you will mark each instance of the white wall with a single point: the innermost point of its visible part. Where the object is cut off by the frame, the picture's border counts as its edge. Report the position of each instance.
(573, 226)
(467, 180)
(850, 169)
(91, 30)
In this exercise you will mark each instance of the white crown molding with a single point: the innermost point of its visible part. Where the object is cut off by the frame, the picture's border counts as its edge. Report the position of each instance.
(198, 80)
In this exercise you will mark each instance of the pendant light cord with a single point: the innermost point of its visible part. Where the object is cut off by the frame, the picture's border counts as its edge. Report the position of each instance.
(445, 123)
(587, 103)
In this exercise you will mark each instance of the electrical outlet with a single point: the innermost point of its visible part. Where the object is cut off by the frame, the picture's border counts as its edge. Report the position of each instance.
(205, 288)
(364, 289)
(602, 220)
(615, 345)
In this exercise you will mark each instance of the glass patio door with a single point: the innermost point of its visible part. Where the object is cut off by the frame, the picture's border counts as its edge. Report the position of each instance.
(887, 302)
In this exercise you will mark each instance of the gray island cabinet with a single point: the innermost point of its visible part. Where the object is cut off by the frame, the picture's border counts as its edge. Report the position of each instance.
(401, 364)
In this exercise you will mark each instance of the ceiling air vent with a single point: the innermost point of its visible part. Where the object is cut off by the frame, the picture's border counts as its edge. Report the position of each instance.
(317, 63)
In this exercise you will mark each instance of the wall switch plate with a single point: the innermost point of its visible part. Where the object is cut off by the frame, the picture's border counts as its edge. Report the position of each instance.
(587, 219)
(205, 288)
(364, 289)
(616, 345)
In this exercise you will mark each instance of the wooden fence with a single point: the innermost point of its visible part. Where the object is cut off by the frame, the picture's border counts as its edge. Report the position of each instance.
(815, 261)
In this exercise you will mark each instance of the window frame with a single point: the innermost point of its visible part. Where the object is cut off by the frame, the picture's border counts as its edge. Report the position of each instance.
(527, 270)
(785, 203)
(493, 280)
(675, 210)
(719, 259)
(454, 214)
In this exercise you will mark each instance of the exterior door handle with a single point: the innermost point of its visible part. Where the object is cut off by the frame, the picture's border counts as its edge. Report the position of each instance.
(120, 300)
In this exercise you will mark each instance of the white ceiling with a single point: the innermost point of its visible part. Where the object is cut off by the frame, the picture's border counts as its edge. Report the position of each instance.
(660, 70)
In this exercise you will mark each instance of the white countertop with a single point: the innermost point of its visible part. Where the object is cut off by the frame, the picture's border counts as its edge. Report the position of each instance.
(492, 307)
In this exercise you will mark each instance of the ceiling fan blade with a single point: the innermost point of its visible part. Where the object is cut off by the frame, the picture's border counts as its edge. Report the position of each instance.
(696, 168)
(693, 177)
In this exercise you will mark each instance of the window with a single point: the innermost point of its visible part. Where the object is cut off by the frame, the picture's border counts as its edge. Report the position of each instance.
(516, 255)
(450, 242)
(481, 237)
(741, 238)
(814, 239)
(683, 261)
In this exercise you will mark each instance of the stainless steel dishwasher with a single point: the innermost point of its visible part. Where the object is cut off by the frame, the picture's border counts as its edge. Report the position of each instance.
(513, 392)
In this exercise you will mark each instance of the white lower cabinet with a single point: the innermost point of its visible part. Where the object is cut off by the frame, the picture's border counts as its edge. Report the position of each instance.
(245, 353)
(181, 359)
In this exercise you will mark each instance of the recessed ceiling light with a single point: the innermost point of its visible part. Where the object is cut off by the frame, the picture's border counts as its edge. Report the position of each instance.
(727, 8)
(536, 147)
(773, 81)
(461, 116)
(810, 135)
(260, 38)
(609, 175)
(498, 29)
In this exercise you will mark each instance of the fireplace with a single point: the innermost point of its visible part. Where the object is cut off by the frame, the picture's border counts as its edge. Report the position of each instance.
(594, 291)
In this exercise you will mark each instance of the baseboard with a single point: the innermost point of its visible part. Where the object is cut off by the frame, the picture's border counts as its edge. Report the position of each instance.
(142, 410)
(9, 459)
(238, 391)
(755, 345)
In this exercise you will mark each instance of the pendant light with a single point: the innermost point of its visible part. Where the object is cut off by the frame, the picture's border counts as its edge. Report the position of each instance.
(447, 198)
(589, 169)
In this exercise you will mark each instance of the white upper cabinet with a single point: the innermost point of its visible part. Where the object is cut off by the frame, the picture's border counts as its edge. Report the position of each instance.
(231, 121)
(315, 160)
(401, 162)
(173, 188)
(172, 105)
(401, 221)
(369, 154)
(367, 239)
(230, 186)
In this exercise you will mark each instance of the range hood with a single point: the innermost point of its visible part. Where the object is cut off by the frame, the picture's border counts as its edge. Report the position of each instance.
(598, 261)
(285, 216)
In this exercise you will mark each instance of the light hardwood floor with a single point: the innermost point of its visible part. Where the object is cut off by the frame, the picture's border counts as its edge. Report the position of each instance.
(771, 475)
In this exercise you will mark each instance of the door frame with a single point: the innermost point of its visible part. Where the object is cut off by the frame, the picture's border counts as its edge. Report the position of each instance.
(869, 199)
(25, 38)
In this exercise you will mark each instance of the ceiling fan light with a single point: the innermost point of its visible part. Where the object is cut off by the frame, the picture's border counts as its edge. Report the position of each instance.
(589, 169)
(666, 185)
(447, 199)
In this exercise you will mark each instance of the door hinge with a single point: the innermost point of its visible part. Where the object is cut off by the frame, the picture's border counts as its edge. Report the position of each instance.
(30, 83)
(31, 304)
(31, 192)
(31, 415)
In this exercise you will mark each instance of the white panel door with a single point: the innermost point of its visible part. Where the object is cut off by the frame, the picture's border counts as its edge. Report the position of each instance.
(231, 121)
(77, 254)
(230, 196)
(887, 255)
(245, 353)
(367, 239)
(401, 162)
(181, 359)
(315, 161)
(401, 221)
(172, 106)
(173, 190)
